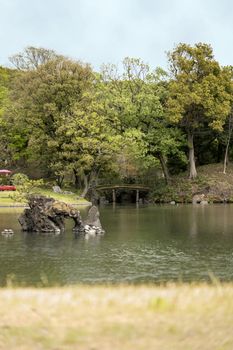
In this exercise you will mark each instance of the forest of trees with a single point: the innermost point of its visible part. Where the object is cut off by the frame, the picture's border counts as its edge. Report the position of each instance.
(61, 119)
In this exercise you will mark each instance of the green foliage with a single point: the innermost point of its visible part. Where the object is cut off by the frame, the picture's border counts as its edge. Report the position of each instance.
(4, 77)
(87, 142)
(25, 187)
(42, 99)
(137, 96)
(134, 95)
(5, 153)
(58, 115)
(19, 179)
(200, 91)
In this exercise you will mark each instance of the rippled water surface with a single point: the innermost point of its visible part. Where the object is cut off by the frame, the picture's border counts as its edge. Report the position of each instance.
(147, 244)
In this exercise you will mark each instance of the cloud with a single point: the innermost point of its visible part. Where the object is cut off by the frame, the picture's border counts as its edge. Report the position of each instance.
(100, 31)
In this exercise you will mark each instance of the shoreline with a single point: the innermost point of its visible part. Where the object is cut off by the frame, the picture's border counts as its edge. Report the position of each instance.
(26, 206)
(175, 204)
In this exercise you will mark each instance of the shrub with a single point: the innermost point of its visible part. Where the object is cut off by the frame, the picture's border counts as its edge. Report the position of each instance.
(25, 187)
(19, 179)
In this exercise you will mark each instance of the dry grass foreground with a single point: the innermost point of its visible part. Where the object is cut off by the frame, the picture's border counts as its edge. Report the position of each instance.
(122, 317)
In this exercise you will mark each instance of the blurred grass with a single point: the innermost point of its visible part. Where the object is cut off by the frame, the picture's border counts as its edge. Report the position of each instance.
(172, 317)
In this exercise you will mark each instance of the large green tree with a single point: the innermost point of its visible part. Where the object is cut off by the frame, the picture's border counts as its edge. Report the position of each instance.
(136, 96)
(88, 143)
(5, 127)
(200, 92)
(40, 99)
(60, 107)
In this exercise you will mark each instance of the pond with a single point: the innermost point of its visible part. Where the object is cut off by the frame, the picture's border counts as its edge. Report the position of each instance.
(142, 245)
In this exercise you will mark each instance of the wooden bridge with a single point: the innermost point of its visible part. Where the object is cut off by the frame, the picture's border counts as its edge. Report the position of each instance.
(131, 187)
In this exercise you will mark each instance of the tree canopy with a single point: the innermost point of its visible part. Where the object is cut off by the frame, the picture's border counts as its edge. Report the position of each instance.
(200, 92)
(59, 115)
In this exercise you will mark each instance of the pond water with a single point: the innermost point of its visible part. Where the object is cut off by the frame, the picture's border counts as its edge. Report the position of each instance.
(146, 244)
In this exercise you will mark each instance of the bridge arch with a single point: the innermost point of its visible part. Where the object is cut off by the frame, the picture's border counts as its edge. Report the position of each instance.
(131, 187)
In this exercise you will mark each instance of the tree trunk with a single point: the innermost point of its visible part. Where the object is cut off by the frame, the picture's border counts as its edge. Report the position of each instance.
(59, 180)
(230, 127)
(86, 185)
(76, 179)
(164, 168)
(90, 180)
(192, 165)
(226, 159)
(220, 152)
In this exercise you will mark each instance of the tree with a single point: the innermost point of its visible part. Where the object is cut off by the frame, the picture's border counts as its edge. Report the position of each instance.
(40, 100)
(200, 92)
(4, 77)
(229, 134)
(165, 142)
(133, 95)
(5, 150)
(89, 144)
(137, 96)
(32, 57)
(60, 106)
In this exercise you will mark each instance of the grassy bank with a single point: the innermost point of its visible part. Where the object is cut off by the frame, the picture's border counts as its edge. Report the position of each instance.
(211, 185)
(6, 197)
(143, 317)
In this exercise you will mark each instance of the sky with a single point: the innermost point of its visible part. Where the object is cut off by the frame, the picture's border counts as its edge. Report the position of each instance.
(106, 31)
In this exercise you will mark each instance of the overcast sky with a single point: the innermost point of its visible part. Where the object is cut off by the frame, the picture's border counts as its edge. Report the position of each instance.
(103, 31)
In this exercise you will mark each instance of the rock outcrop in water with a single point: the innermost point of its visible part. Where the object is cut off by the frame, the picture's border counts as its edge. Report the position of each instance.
(48, 215)
(92, 224)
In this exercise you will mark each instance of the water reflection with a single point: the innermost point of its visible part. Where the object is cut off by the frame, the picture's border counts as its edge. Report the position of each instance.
(144, 244)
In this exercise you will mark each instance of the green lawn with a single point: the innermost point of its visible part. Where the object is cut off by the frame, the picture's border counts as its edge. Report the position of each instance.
(175, 317)
(6, 200)
(68, 198)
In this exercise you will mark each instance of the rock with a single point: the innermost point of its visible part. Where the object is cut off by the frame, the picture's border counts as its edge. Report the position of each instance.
(204, 202)
(93, 217)
(197, 198)
(48, 215)
(57, 189)
(93, 230)
(7, 232)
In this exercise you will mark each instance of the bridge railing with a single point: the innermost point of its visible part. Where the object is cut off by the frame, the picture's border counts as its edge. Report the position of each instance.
(123, 186)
